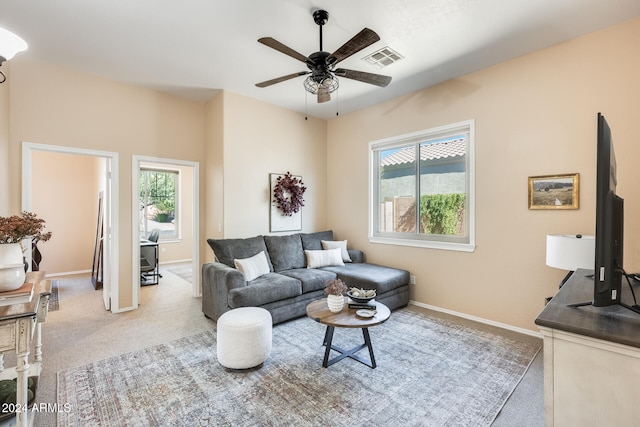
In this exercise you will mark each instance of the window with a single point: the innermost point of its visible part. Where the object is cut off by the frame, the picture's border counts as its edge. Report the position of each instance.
(422, 188)
(158, 202)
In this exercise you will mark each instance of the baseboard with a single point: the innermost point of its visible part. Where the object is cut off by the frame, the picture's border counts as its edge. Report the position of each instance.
(72, 273)
(478, 319)
(69, 273)
(180, 261)
(124, 309)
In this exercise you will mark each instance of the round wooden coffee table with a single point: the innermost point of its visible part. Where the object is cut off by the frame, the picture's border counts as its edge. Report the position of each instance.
(346, 318)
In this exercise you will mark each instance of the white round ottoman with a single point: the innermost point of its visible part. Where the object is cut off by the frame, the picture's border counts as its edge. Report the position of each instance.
(244, 337)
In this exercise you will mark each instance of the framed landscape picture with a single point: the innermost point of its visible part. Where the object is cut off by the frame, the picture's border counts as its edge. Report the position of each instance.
(554, 191)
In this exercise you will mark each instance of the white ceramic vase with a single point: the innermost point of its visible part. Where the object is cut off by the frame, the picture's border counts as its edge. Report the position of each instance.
(11, 267)
(335, 303)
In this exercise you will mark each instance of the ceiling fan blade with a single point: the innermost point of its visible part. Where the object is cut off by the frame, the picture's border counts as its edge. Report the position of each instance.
(358, 42)
(275, 44)
(282, 79)
(323, 95)
(374, 79)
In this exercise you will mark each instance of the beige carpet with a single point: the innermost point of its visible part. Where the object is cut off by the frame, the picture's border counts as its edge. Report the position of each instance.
(82, 331)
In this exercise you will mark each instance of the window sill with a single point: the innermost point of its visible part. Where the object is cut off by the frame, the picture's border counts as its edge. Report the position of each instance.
(447, 246)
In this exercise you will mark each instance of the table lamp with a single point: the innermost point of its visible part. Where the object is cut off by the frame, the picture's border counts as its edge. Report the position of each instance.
(570, 252)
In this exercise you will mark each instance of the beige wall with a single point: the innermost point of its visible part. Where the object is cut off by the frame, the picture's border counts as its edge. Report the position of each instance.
(260, 139)
(213, 202)
(57, 106)
(535, 115)
(65, 191)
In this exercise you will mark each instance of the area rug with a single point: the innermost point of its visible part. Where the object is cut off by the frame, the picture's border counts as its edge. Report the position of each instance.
(184, 271)
(430, 373)
(54, 299)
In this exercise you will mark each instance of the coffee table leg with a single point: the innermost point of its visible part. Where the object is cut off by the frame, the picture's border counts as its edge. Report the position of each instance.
(328, 337)
(367, 341)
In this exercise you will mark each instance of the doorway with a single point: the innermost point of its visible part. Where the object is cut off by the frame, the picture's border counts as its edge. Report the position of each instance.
(106, 180)
(187, 231)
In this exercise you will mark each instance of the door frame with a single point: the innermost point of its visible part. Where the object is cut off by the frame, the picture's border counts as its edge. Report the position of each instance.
(137, 160)
(110, 286)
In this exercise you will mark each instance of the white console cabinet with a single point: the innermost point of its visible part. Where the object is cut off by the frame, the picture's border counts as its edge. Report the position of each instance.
(591, 360)
(20, 331)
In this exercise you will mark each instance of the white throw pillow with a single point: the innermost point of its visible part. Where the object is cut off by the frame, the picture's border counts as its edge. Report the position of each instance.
(342, 244)
(316, 259)
(252, 267)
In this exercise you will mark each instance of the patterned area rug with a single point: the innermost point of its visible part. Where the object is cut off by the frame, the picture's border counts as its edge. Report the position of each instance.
(54, 300)
(183, 271)
(430, 373)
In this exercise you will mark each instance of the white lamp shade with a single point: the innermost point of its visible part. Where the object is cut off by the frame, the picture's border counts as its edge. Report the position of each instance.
(569, 252)
(10, 44)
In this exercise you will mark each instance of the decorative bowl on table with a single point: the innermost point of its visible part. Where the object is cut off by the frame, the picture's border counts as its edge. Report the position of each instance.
(11, 277)
(361, 296)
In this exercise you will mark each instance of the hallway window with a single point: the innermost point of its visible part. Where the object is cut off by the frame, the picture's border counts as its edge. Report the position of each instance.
(159, 202)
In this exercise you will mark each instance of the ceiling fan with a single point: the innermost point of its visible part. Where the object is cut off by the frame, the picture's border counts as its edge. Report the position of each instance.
(322, 80)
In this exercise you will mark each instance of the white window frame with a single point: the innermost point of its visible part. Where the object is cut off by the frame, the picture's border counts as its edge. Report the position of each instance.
(176, 235)
(419, 239)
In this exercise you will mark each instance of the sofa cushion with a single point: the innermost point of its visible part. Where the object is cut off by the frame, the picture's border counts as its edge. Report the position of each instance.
(370, 276)
(312, 279)
(253, 267)
(265, 289)
(342, 244)
(322, 258)
(285, 252)
(226, 250)
(312, 241)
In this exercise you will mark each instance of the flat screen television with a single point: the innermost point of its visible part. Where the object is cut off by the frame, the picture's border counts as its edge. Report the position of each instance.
(609, 223)
(608, 268)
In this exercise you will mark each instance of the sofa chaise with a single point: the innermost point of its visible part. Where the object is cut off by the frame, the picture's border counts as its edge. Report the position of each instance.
(283, 274)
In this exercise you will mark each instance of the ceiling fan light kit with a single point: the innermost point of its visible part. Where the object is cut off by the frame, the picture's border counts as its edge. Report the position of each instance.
(322, 78)
(321, 88)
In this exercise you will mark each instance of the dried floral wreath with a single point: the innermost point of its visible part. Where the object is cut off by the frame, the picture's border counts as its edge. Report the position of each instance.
(287, 194)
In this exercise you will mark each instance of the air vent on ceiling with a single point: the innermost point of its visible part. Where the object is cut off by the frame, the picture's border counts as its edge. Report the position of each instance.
(383, 57)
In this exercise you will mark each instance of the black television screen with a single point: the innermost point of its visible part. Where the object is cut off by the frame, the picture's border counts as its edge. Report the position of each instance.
(609, 223)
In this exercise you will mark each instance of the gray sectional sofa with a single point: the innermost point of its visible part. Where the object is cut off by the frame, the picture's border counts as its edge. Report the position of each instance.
(287, 286)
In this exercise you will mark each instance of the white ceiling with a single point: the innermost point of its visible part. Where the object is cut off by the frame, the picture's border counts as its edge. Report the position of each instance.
(196, 47)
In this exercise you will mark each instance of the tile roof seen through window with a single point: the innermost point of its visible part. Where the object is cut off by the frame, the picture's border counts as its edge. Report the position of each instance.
(448, 149)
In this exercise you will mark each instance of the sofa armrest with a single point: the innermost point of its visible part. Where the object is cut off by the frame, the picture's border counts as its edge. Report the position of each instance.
(217, 280)
(356, 255)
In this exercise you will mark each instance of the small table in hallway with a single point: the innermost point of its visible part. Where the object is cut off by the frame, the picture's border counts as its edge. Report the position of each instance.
(346, 318)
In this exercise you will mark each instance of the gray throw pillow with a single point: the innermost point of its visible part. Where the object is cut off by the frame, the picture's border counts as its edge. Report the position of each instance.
(312, 241)
(226, 250)
(285, 252)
